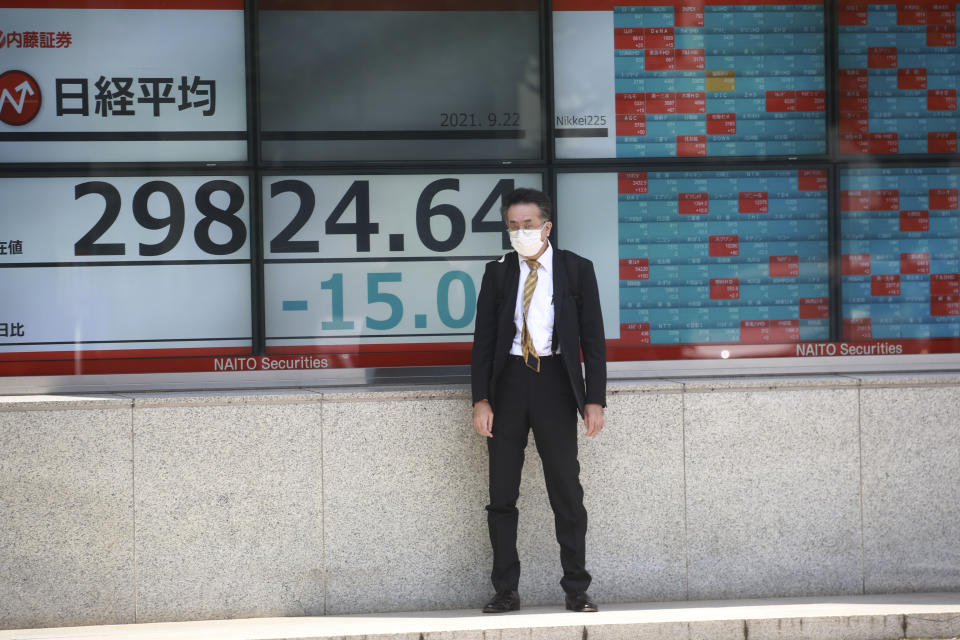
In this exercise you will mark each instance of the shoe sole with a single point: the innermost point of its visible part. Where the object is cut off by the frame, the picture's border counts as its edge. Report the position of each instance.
(499, 610)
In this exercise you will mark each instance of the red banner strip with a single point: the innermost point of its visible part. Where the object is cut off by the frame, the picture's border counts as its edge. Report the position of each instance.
(619, 352)
(398, 5)
(130, 5)
(316, 358)
(608, 5)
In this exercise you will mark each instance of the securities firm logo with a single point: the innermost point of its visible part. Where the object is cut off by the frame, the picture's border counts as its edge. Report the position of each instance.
(19, 98)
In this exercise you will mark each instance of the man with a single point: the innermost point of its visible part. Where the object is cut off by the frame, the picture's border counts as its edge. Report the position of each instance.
(538, 308)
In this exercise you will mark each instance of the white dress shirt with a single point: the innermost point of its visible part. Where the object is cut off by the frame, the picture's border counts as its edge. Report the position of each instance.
(540, 315)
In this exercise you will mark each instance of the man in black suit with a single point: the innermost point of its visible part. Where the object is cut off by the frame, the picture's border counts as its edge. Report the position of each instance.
(538, 308)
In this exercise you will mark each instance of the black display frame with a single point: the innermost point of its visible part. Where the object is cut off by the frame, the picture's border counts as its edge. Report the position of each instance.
(547, 165)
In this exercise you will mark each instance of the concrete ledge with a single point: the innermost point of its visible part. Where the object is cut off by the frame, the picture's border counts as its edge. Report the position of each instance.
(378, 394)
(66, 512)
(250, 397)
(766, 383)
(881, 617)
(63, 402)
(916, 379)
(162, 507)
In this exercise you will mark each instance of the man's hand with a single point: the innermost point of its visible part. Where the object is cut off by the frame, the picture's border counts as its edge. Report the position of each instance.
(483, 418)
(592, 418)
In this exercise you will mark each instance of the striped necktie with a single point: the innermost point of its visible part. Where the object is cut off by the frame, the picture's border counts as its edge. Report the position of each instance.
(530, 357)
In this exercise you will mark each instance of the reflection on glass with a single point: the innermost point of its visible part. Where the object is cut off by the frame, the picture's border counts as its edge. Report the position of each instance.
(355, 81)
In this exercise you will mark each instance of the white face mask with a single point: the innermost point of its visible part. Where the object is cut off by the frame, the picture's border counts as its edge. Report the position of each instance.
(527, 242)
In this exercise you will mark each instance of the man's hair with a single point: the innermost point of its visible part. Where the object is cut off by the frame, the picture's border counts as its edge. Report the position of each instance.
(527, 196)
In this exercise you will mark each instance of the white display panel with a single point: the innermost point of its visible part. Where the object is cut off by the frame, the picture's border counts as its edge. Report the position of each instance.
(124, 263)
(585, 82)
(364, 260)
(586, 202)
(143, 83)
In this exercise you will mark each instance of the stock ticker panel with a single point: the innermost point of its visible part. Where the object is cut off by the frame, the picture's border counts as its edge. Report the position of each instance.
(690, 78)
(719, 79)
(734, 256)
(898, 78)
(901, 253)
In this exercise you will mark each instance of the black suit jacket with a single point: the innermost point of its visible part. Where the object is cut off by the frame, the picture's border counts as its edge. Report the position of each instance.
(577, 326)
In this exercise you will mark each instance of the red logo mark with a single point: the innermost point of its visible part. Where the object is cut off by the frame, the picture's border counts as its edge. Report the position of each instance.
(19, 98)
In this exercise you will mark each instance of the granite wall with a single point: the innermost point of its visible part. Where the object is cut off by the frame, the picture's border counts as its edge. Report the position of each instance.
(160, 507)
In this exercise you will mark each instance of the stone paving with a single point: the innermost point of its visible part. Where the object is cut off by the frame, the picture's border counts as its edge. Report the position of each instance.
(872, 617)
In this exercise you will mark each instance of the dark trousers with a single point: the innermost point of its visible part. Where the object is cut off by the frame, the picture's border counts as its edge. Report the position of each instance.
(545, 403)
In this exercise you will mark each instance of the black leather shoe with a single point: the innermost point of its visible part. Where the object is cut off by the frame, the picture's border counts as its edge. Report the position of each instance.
(503, 602)
(580, 602)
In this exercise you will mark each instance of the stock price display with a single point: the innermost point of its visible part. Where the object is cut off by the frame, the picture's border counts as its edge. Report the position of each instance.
(898, 77)
(360, 260)
(709, 257)
(901, 253)
(689, 78)
(124, 263)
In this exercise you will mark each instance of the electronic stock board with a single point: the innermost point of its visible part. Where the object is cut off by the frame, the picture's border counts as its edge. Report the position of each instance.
(153, 273)
(689, 78)
(901, 253)
(898, 76)
(687, 258)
